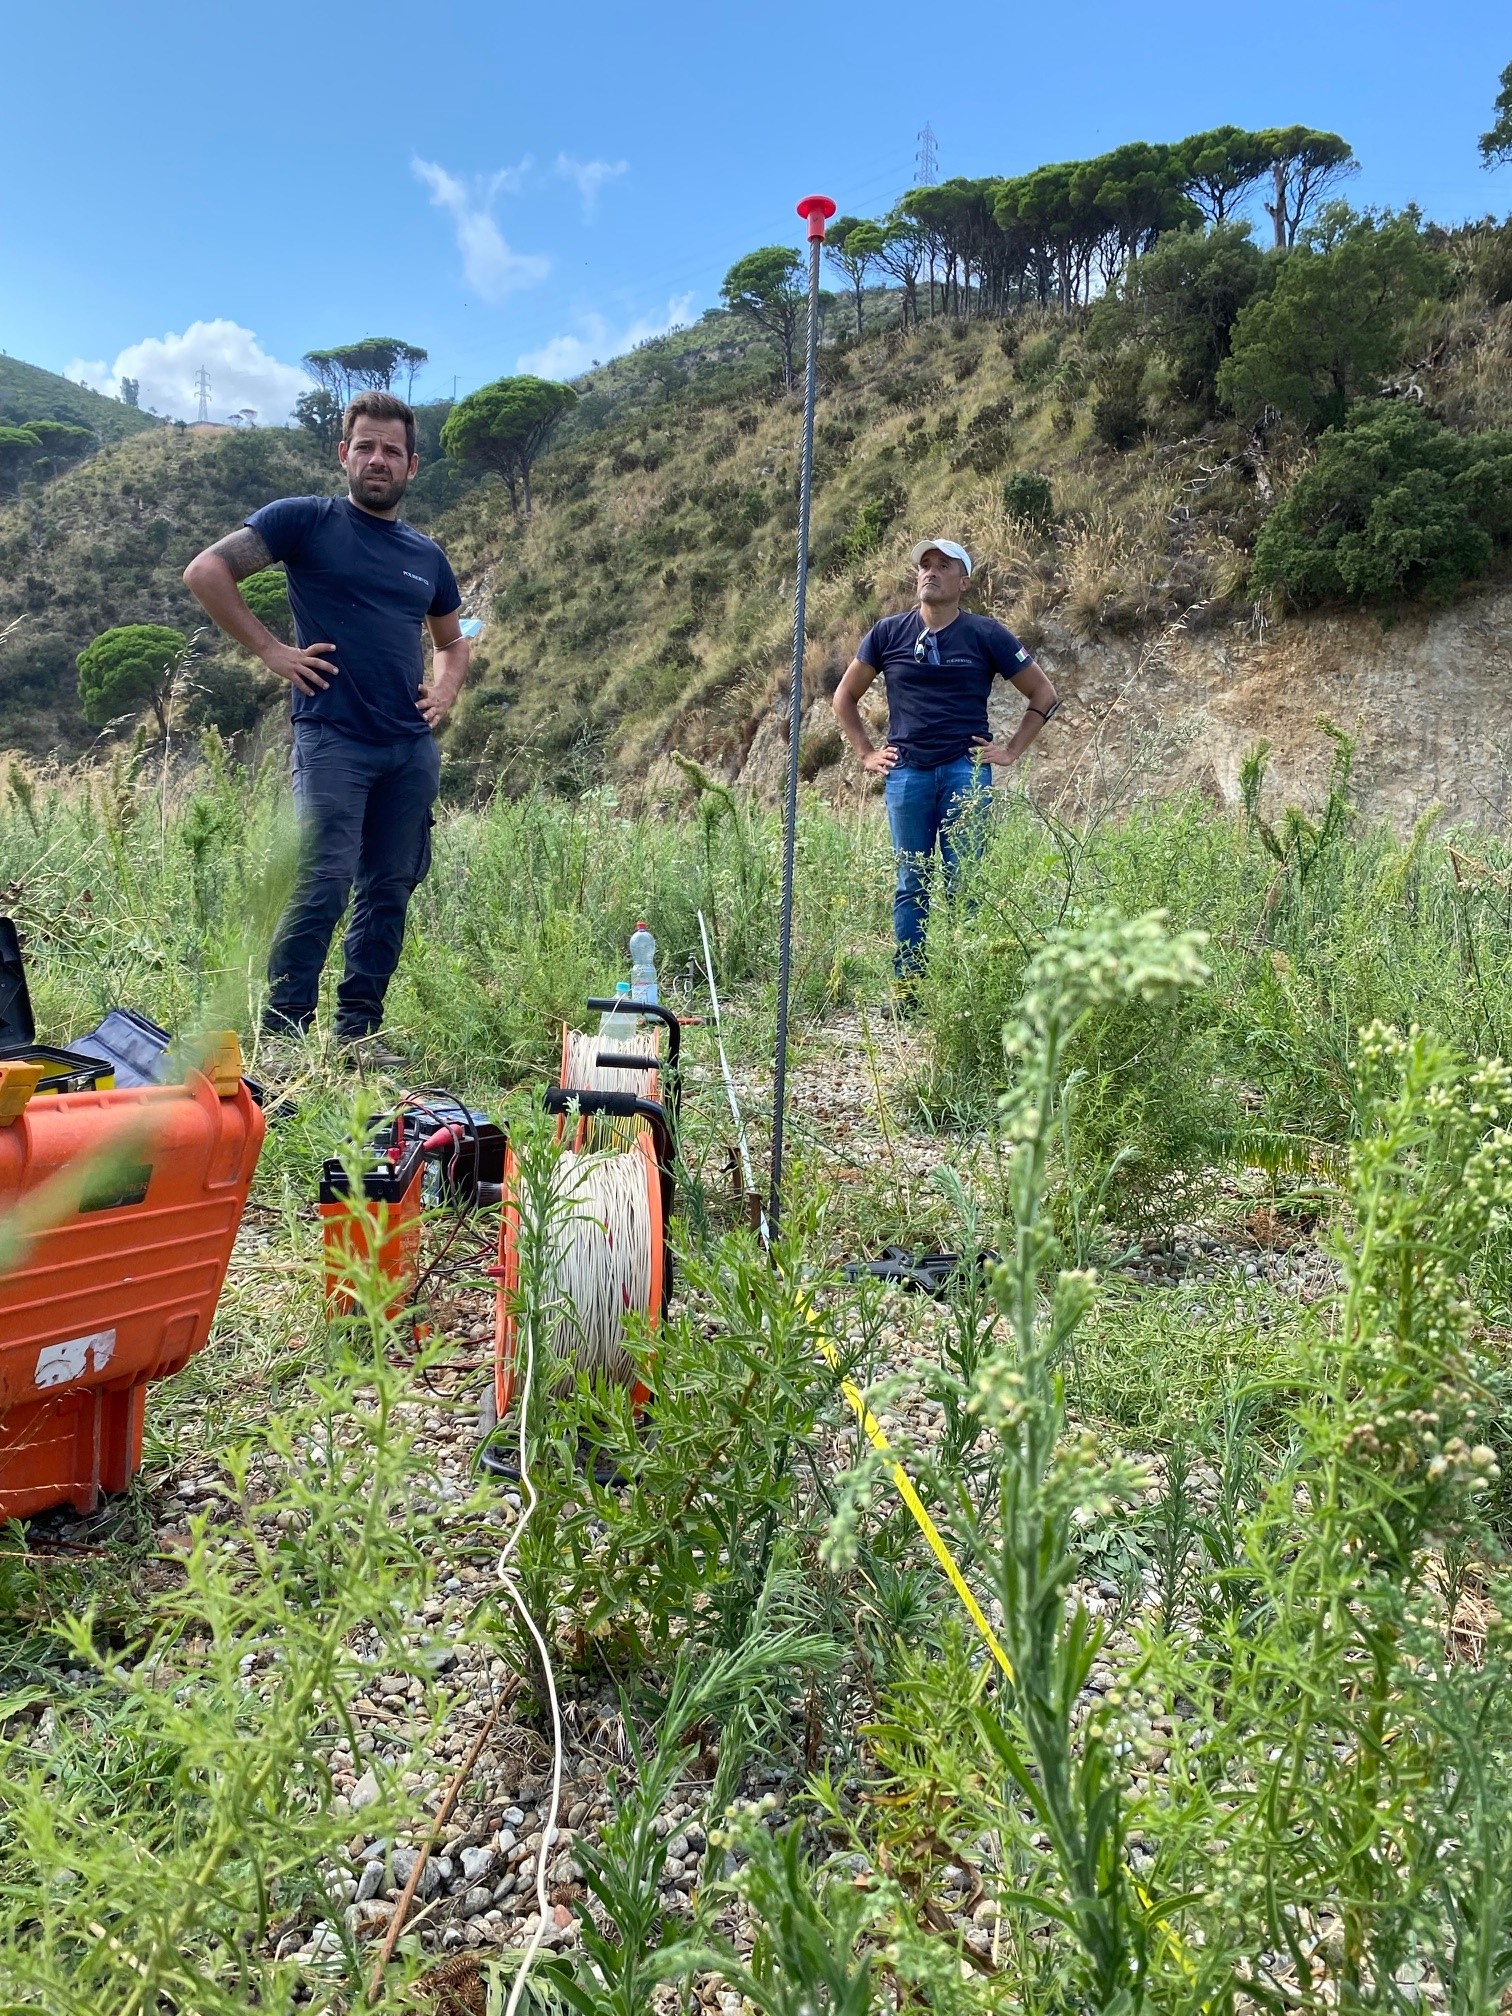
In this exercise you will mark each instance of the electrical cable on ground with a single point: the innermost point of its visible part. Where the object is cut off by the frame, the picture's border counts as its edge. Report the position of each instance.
(505, 1571)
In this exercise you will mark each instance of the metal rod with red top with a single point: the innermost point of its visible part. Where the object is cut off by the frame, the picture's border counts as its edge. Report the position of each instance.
(815, 210)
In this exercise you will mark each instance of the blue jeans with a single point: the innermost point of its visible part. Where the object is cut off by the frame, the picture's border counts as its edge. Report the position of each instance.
(365, 820)
(947, 807)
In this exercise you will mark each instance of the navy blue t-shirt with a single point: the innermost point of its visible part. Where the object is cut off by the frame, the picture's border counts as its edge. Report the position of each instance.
(364, 584)
(937, 704)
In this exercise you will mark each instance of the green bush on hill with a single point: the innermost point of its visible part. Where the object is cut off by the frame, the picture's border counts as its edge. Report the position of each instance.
(1330, 328)
(1182, 299)
(1396, 505)
(129, 668)
(1027, 495)
(267, 596)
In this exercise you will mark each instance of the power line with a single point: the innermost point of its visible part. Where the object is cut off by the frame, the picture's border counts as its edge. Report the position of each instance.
(928, 156)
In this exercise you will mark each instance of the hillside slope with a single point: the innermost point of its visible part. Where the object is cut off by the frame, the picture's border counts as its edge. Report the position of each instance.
(107, 542)
(29, 393)
(647, 604)
(646, 607)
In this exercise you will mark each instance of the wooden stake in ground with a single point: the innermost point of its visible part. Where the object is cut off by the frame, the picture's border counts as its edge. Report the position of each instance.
(443, 1813)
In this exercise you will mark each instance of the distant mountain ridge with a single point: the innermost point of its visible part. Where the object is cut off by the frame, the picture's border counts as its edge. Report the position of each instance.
(29, 393)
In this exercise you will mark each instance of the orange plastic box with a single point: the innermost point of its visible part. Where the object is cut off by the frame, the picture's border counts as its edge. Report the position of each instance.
(121, 1286)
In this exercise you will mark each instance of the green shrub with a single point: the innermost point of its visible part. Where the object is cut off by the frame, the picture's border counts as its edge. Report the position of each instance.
(1183, 298)
(989, 437)
(226, 693)
(1330, 328)
(1395, 507)
(1118, 415)
(267, 596)
(870, 525)
(1037, 360)
(1027, 495)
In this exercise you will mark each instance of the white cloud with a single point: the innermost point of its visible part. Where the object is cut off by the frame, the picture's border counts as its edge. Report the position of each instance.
(593, 341)
(242, 374)
(93, 373)
(490, 267)
(590, 177)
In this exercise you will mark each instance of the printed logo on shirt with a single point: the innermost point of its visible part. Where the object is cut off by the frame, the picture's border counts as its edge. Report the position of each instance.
(415, 577)
(1021, 655)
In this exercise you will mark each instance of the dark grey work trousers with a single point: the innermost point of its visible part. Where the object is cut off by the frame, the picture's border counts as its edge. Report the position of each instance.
(365, 825)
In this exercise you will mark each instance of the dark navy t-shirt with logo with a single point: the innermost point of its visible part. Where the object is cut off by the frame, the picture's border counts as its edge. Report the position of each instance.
(366, 585)
(937, 703)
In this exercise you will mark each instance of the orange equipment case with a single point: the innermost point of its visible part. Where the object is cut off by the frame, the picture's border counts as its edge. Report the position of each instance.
(121, 1286)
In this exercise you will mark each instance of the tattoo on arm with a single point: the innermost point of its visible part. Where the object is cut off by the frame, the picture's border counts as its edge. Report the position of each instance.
(244, 552)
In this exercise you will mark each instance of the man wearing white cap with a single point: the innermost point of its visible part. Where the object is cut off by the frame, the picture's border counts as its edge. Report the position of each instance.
(939, 662)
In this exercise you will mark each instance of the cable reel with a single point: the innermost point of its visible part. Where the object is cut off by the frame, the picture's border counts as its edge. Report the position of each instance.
(614, 1188)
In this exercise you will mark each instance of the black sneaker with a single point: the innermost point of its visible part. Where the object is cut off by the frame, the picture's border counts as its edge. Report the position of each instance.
(370, 1053)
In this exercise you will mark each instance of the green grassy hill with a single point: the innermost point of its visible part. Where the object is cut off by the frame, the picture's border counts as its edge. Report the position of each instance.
(648, 602)
(107, 542)
(29, 393)
(646, 606)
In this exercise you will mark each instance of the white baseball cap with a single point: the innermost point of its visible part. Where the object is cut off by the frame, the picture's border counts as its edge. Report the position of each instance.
(946, 546)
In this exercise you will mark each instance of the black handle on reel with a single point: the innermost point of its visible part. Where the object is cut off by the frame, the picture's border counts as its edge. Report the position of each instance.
(601, 1005)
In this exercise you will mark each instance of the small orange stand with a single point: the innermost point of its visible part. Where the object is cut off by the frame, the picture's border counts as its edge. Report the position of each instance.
(355, 1227)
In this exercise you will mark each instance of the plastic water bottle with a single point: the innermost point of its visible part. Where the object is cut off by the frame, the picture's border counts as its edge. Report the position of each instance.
(617, 1020)
(642, 964)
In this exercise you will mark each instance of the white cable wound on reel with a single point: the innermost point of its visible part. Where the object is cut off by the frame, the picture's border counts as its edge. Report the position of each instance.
(602, 1259)
(584, 1073)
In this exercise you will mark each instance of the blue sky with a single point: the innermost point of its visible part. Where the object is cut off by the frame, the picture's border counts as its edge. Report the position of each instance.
(234, 186)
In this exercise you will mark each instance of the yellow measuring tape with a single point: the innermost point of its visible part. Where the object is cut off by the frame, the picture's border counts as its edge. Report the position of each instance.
(877, 1436)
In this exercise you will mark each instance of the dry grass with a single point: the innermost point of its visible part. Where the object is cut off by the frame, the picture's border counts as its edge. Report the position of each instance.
(1115, 561)
(1472, 388)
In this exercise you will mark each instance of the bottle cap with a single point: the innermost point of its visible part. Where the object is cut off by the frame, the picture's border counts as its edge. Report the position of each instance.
(642, 925)
(622, 986)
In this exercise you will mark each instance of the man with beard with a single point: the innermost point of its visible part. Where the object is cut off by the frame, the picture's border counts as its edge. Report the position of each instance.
(365, 763)
(939, 662)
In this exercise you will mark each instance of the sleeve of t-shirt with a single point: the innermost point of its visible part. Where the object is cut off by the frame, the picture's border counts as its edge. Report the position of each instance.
(283, 524)
(448, 595)
(1009, 657)
(869, 650)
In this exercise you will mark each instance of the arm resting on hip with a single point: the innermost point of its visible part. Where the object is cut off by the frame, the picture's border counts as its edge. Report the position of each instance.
(1040, 702)
(448, 667)
(213, 579)
(858, 677)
